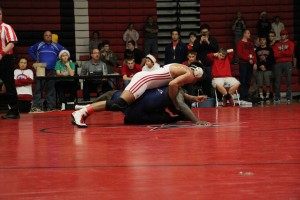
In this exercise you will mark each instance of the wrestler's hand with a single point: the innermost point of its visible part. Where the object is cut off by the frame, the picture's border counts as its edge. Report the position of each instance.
(200, 99)
(203, 123)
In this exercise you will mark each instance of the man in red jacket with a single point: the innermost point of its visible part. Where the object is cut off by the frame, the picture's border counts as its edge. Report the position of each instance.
(283, 53)
(247, 63)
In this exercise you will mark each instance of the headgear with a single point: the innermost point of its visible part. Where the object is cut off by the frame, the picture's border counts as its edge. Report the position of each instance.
(198, 71)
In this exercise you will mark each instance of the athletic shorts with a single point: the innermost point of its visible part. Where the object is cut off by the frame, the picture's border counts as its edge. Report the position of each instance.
(224, 81)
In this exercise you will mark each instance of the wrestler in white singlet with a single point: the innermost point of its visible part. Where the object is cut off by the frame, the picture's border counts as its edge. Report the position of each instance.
(145, 80)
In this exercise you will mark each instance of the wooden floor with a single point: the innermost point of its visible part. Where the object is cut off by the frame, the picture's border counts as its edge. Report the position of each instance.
(249, 153)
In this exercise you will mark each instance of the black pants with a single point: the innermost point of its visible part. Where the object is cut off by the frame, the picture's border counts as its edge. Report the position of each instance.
(66, 87)
(7, 76)
(97, 86)
(24, 106)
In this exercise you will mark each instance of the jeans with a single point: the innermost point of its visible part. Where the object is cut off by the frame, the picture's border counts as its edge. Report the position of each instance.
(49, 87)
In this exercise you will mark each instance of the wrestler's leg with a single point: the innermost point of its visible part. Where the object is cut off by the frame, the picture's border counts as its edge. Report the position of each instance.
(119, 104)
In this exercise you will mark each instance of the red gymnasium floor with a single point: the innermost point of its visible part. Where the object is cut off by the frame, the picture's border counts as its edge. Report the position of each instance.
(249, 153)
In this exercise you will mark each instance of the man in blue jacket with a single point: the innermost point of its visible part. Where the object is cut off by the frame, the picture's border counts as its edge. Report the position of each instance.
(46, 52)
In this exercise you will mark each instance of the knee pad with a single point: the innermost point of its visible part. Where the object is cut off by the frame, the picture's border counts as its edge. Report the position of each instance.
(116, 105)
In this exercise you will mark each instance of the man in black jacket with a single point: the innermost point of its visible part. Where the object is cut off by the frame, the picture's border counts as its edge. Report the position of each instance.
(176, 51)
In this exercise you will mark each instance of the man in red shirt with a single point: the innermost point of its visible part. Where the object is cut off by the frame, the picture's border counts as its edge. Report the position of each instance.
(129, 69)
(283, 53)
(7, 42)
(247, 63)
(221, 73)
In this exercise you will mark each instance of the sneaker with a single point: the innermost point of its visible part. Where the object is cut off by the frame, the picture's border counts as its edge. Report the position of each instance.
(288, 101)
(51, 109)
(35, 110)
(245, 103)
(276, 101)
(79, 119)
(224, 101)
(231, 101)
(63, 106)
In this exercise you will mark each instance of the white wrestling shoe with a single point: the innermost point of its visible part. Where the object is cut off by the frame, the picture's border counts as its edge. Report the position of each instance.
(78, 107)
(79, 119)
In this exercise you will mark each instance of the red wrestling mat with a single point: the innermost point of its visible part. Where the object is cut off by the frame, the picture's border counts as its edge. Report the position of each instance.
(248, 153)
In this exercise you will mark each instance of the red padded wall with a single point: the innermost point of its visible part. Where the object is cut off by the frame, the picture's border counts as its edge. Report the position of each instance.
(220, 14)
(111, 18)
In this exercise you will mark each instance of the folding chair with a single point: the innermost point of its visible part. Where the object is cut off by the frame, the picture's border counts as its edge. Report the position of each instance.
(236, 97)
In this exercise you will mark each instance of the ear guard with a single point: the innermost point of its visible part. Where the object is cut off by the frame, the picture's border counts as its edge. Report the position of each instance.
(198, 71)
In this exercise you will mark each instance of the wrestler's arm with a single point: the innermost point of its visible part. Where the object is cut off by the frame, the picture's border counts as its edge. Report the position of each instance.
(187, 112)
(175, 84)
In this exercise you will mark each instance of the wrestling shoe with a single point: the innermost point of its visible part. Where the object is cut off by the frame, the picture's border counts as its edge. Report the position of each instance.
(79, 119)
(78, 107)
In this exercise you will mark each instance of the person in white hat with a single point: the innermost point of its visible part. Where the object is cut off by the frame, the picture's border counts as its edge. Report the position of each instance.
(150, 64)
(173, 75)
(65, 67)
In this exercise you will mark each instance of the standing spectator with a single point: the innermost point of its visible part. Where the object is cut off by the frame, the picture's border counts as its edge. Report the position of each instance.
(132, 52)
(129, 69)
(94, 67)
(263, 24)
(256, 42)
(131, 34)
(23, 81)
(65, 67)
(247, 63)
(192, 38)
(8, 40)
(47, 52)
(150, 37)
(265, 62)
(272, 38)
(95, 41)
(176, 51)
(283, 53)
(238, 27)
(204, 45)
(150, 64)
(277, 26)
